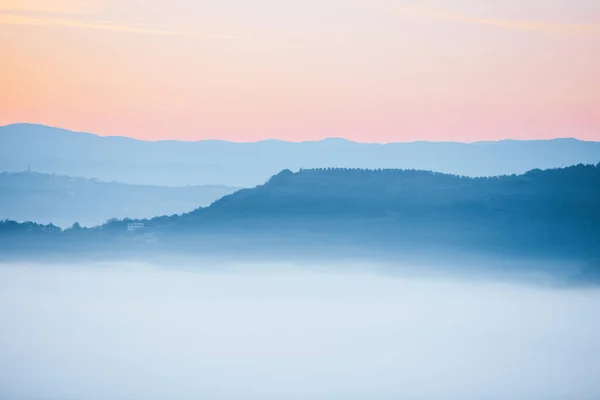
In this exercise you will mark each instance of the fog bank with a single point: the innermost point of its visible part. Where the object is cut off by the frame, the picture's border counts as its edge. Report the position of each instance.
(137, 332)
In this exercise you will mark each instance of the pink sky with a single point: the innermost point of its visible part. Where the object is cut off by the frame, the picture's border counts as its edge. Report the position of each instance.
(366, 70)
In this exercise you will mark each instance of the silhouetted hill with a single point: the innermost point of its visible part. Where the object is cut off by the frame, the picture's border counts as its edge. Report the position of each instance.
(551, 216)
(172, 163)
(554, 211)
(63, 200)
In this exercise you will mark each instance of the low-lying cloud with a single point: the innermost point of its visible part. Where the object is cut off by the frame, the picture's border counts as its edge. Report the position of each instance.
(139, 332)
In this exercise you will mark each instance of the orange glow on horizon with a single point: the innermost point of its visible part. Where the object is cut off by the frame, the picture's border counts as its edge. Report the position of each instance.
(301, 72)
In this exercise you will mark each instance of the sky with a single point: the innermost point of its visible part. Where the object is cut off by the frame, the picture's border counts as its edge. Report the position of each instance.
(246, 70)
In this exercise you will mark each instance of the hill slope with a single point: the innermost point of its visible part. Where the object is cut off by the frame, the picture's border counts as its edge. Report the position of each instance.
(539, 213)
(540, 222)
(172, 163)
(63, 200)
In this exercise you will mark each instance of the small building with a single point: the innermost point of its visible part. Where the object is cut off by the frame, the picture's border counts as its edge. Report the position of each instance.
(135, 226)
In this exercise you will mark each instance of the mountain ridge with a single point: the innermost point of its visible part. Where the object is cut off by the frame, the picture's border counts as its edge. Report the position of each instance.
(179, 163)
(20, 125)
(545, 216)
(557, 208)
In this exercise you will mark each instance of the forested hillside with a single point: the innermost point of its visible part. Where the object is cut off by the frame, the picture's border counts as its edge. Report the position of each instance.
(550, 214)
(555, 210)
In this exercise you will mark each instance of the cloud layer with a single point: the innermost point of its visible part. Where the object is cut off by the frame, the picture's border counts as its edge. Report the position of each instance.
(134, 332)
(69, 17)
(427, 10)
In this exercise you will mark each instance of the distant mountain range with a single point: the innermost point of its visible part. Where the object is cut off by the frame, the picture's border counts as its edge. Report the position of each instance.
(63, 200)
(542, 214)
(173, 163)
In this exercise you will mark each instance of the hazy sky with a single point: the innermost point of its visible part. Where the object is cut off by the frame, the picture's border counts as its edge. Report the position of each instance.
(367, 70)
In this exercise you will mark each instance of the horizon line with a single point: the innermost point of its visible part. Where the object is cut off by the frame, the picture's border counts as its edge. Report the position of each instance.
(328, 138)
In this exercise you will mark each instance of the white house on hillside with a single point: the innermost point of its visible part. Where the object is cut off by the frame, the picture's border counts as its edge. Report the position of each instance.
(134, 226)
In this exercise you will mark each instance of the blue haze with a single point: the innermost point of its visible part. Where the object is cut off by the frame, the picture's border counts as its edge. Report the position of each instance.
(215, 162)
(279, 331)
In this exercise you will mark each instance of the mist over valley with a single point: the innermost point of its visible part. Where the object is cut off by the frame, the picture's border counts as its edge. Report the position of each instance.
(239, 330)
